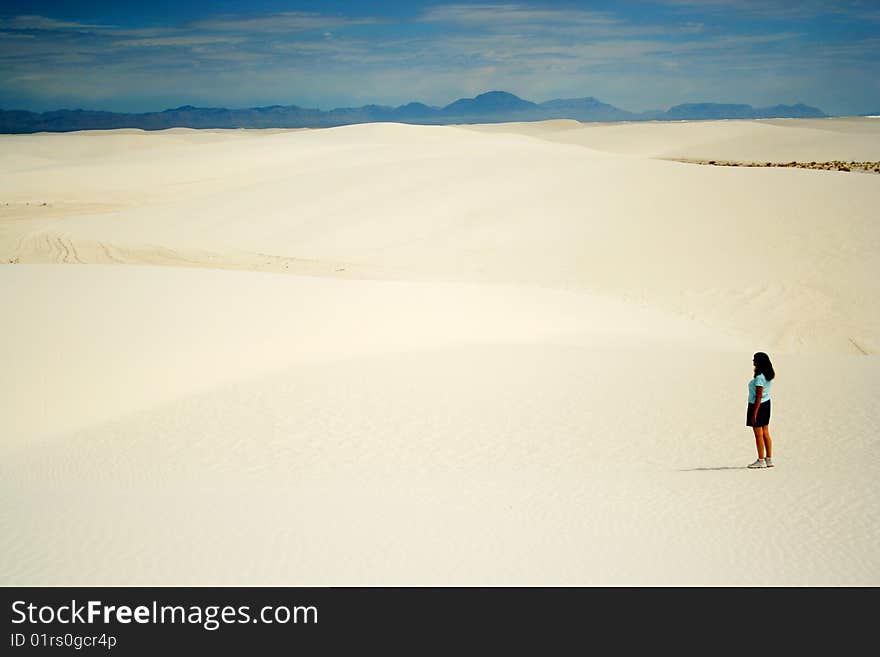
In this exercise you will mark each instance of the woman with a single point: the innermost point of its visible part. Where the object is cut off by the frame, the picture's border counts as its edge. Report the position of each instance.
(758, 412)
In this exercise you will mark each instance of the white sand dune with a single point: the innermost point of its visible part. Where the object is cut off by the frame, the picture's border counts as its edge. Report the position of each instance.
(765, 140)
(389, 354)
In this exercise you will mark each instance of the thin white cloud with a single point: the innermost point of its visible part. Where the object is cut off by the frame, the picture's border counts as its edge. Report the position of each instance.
(180, 41)
(514, 14)
(525, 19)
(43, 23)
(289, 21)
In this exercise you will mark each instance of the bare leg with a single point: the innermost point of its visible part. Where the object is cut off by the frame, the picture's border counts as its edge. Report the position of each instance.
(768, 444)
(759, 440)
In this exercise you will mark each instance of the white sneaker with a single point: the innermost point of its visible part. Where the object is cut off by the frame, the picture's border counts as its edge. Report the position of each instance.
(758, 464)
(768, 462)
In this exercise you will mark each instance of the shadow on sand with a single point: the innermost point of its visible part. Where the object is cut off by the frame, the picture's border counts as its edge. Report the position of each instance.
(723, 467)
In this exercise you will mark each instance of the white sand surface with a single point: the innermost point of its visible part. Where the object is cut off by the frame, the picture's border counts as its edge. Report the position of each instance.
(389, 354)
(764, 140)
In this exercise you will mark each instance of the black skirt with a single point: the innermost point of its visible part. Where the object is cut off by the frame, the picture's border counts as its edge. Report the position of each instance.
(763, 415)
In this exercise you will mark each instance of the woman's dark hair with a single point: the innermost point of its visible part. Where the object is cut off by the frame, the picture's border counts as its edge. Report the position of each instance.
(764, 366)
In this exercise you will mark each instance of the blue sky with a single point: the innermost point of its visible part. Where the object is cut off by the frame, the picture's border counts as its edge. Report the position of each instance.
(635, 54)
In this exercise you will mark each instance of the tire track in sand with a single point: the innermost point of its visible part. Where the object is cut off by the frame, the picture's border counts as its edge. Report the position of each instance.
(50, 247)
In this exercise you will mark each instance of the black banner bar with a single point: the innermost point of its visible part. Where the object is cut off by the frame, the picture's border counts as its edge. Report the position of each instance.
(156, 620)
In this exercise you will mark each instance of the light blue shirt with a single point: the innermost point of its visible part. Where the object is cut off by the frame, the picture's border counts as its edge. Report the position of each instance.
(764, 383)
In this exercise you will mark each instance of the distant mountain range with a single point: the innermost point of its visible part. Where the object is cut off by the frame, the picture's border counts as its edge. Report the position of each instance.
(490, 107)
